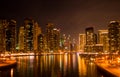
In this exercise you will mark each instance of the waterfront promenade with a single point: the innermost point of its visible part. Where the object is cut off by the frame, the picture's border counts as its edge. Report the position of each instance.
(7, 63)
(110, 69)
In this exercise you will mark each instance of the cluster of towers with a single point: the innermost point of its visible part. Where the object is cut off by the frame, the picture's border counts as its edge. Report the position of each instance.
(105, 41)
(29, 37)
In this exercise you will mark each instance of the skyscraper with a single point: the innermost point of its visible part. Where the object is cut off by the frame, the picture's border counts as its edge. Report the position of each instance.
(28, 36)
(52, 37)
(41, 43)
(66, 42)
(21, 39)
(36, 33)
(10, 34)
(91, 39)
(3, 25)
(82, 41)
(62, 42)
(114, 36)
(103, 39)
(89, 36)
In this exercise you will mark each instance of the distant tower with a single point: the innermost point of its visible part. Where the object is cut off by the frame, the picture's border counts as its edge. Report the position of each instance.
(89, 36)
(28, 36)
(91, 39)
(56, 39)
(41, 43)
(82, 41)
(37, 32)
(3, 25)
(52, 37)
(63, 45)
(103, 39)
(114, 36)
(11, 36)
(21, 39)
(73, 45)
(66, 43)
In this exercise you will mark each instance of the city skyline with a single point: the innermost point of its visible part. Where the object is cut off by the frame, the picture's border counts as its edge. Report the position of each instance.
(72, 17)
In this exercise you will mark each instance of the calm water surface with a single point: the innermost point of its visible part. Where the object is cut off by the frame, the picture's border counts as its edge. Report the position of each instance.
(70, 65)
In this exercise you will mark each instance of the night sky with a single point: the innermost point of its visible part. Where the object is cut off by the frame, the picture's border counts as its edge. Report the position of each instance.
(71, 16)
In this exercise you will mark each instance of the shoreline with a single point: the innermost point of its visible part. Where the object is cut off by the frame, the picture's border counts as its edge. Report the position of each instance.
(7, 64)
(108, 69)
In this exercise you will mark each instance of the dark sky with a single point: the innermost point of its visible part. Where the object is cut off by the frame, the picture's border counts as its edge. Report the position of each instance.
(71, 16)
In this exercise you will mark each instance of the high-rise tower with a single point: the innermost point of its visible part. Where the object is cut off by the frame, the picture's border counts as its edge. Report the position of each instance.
(103, 39)
(41, 43)
(36, 33)
(114, 36)
(10, 34)
(82, 41)
(3, 25)
(21, 39)
(52, 37)
(28, 36)
(91, 39)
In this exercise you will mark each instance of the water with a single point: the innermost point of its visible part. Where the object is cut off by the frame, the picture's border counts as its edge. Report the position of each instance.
(67, 65)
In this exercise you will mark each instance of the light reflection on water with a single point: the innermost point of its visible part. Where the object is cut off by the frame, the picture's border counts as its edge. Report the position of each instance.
(68, 65)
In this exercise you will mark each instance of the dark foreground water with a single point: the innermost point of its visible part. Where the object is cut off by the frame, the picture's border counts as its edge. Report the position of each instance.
(70, 65)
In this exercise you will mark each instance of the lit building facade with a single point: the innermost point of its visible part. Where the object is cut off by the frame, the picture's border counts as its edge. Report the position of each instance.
(65, 43)
(82, 41)
(91, 39)
(28, 36)
(21, 39)
(56, 39)
(73, 45)
(89, 36)
(114, 36)
(36, 33)
(3, 25)
(10, 34)
(62, 40)
(41, 43)
(52, 38)
(103, 39)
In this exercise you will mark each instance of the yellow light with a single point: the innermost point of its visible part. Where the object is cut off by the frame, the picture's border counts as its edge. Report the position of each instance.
(11, 72)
